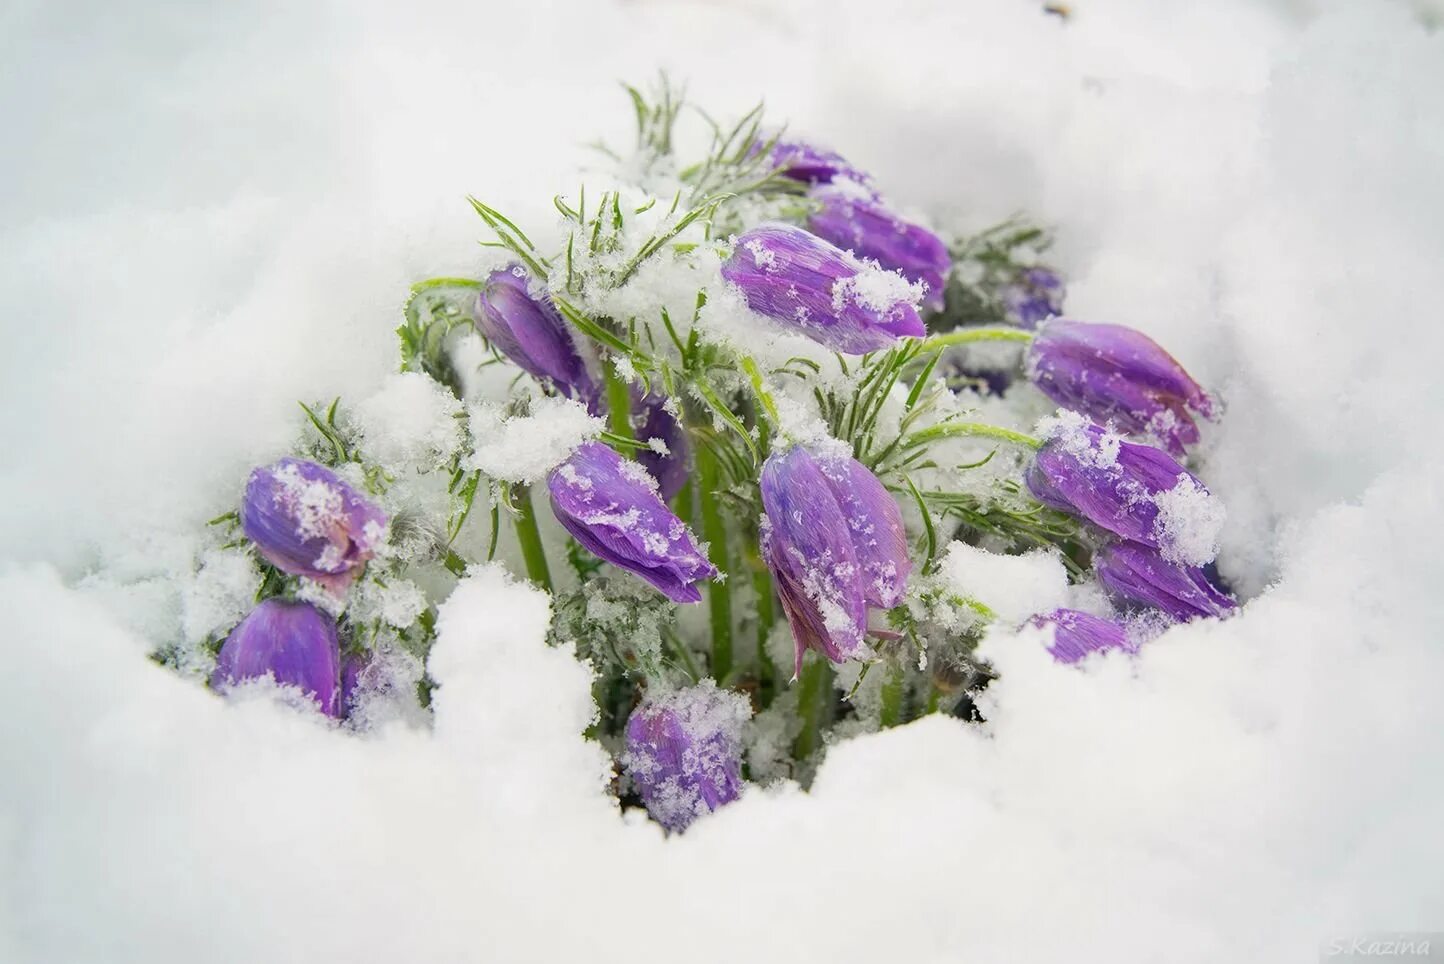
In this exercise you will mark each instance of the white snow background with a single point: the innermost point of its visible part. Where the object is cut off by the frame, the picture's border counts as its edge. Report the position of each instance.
(210, 211)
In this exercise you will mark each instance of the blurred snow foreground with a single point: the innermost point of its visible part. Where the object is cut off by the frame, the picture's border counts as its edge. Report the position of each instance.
(222, 224)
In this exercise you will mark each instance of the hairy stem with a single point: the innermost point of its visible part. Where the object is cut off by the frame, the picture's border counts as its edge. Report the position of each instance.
(892, 697)
(965, 336)
(815, 685)
(978, 429)
(530, 538)
(719, 594)
(619, 402)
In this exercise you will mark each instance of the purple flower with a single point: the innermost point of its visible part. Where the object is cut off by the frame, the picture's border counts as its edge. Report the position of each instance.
(294, 643)
(814, 165)
(1115, 374)
(684, 752)
(611, 506)
(305, 521)
(834, 540)
(1134, 491)
(1076, 634)
(1034, 297)
(353, 666)
(656, 423)
(530, 331)
(797, 278)
(1138, 576)
(856, 222)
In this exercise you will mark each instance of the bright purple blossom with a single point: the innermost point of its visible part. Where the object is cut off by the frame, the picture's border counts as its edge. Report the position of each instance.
(834, 540)
(1137, 575)
(1119, 375)
(612, 507)
(813, 165)
(684, 752)
(1034, 297)
(530, 331)
(1077, 634)
(807, 283)
(294, 643)
(1134, 491)
(353, 666)
(305, 521)
(856, 222)
(652, 420)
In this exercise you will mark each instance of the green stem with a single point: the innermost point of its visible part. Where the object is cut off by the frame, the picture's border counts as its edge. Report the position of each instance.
(530, 538)
(816, 682)
(954, 429)
(766, 615)
(892, 697)
(619, 402)
(719, 598)
(964, 336)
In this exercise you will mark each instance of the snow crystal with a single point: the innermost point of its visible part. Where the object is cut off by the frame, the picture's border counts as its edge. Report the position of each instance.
(222, 591)
(524, 448)
(397, 602)
(1014, 587)
(411, 423)
(875, 288)
(1188, 524)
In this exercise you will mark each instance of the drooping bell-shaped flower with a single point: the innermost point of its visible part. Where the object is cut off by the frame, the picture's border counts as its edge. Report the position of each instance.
(834, 540)
(305, 521)
(613, 508)
(810, 164)
(354, 666)
(294, 643)
(811, 285)
(684, 752)
(1034, 296)
(666, 456)
(1137, 575)
(1134, 491)
(1119, 375)
(1076, 634)
(855, 221)
(529, 330)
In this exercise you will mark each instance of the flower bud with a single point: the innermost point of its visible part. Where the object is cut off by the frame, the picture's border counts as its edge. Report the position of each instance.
(305, 521)
(293, 643)
(797, 278)
(855, 221)
(1134, 491)
(1136, 575)
(1115, 374)
(531, 332)
(834, 540)
(658, 425)
(684, 752)
(1077, 634)
(612, 507)
(812, 165)
(1034, 297)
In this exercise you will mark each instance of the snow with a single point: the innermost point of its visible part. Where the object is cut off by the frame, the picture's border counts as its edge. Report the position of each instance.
(410, 423)
(226, 220)
(526, 447)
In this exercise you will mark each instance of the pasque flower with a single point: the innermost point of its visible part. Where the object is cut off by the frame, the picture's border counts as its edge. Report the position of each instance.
(1137, 575)
(813, 165)
(1118, 375)
(1076, 634)
(293, 643)
(531, 332)
(613, 508)
(684, 752)
(655, 424)
(1035, 296)
(305, 521)
(857, 222)
(1134, 491)
(834, 540)
(799, 279)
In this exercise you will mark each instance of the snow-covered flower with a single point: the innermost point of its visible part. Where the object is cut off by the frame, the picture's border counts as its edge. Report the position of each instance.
(809, 284)
(1137, 575)
(1034, 297)
(1076, 634)
(293, 643)
(810, 164)
(684, 752)
(1134, 491)
(666, 455)
(834, 540)
(857, 222)
(613, 508)
(1116, 374)
(531, 332)
(305, 521)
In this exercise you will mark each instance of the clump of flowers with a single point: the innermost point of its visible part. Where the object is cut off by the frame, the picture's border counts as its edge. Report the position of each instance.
(745, 383)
